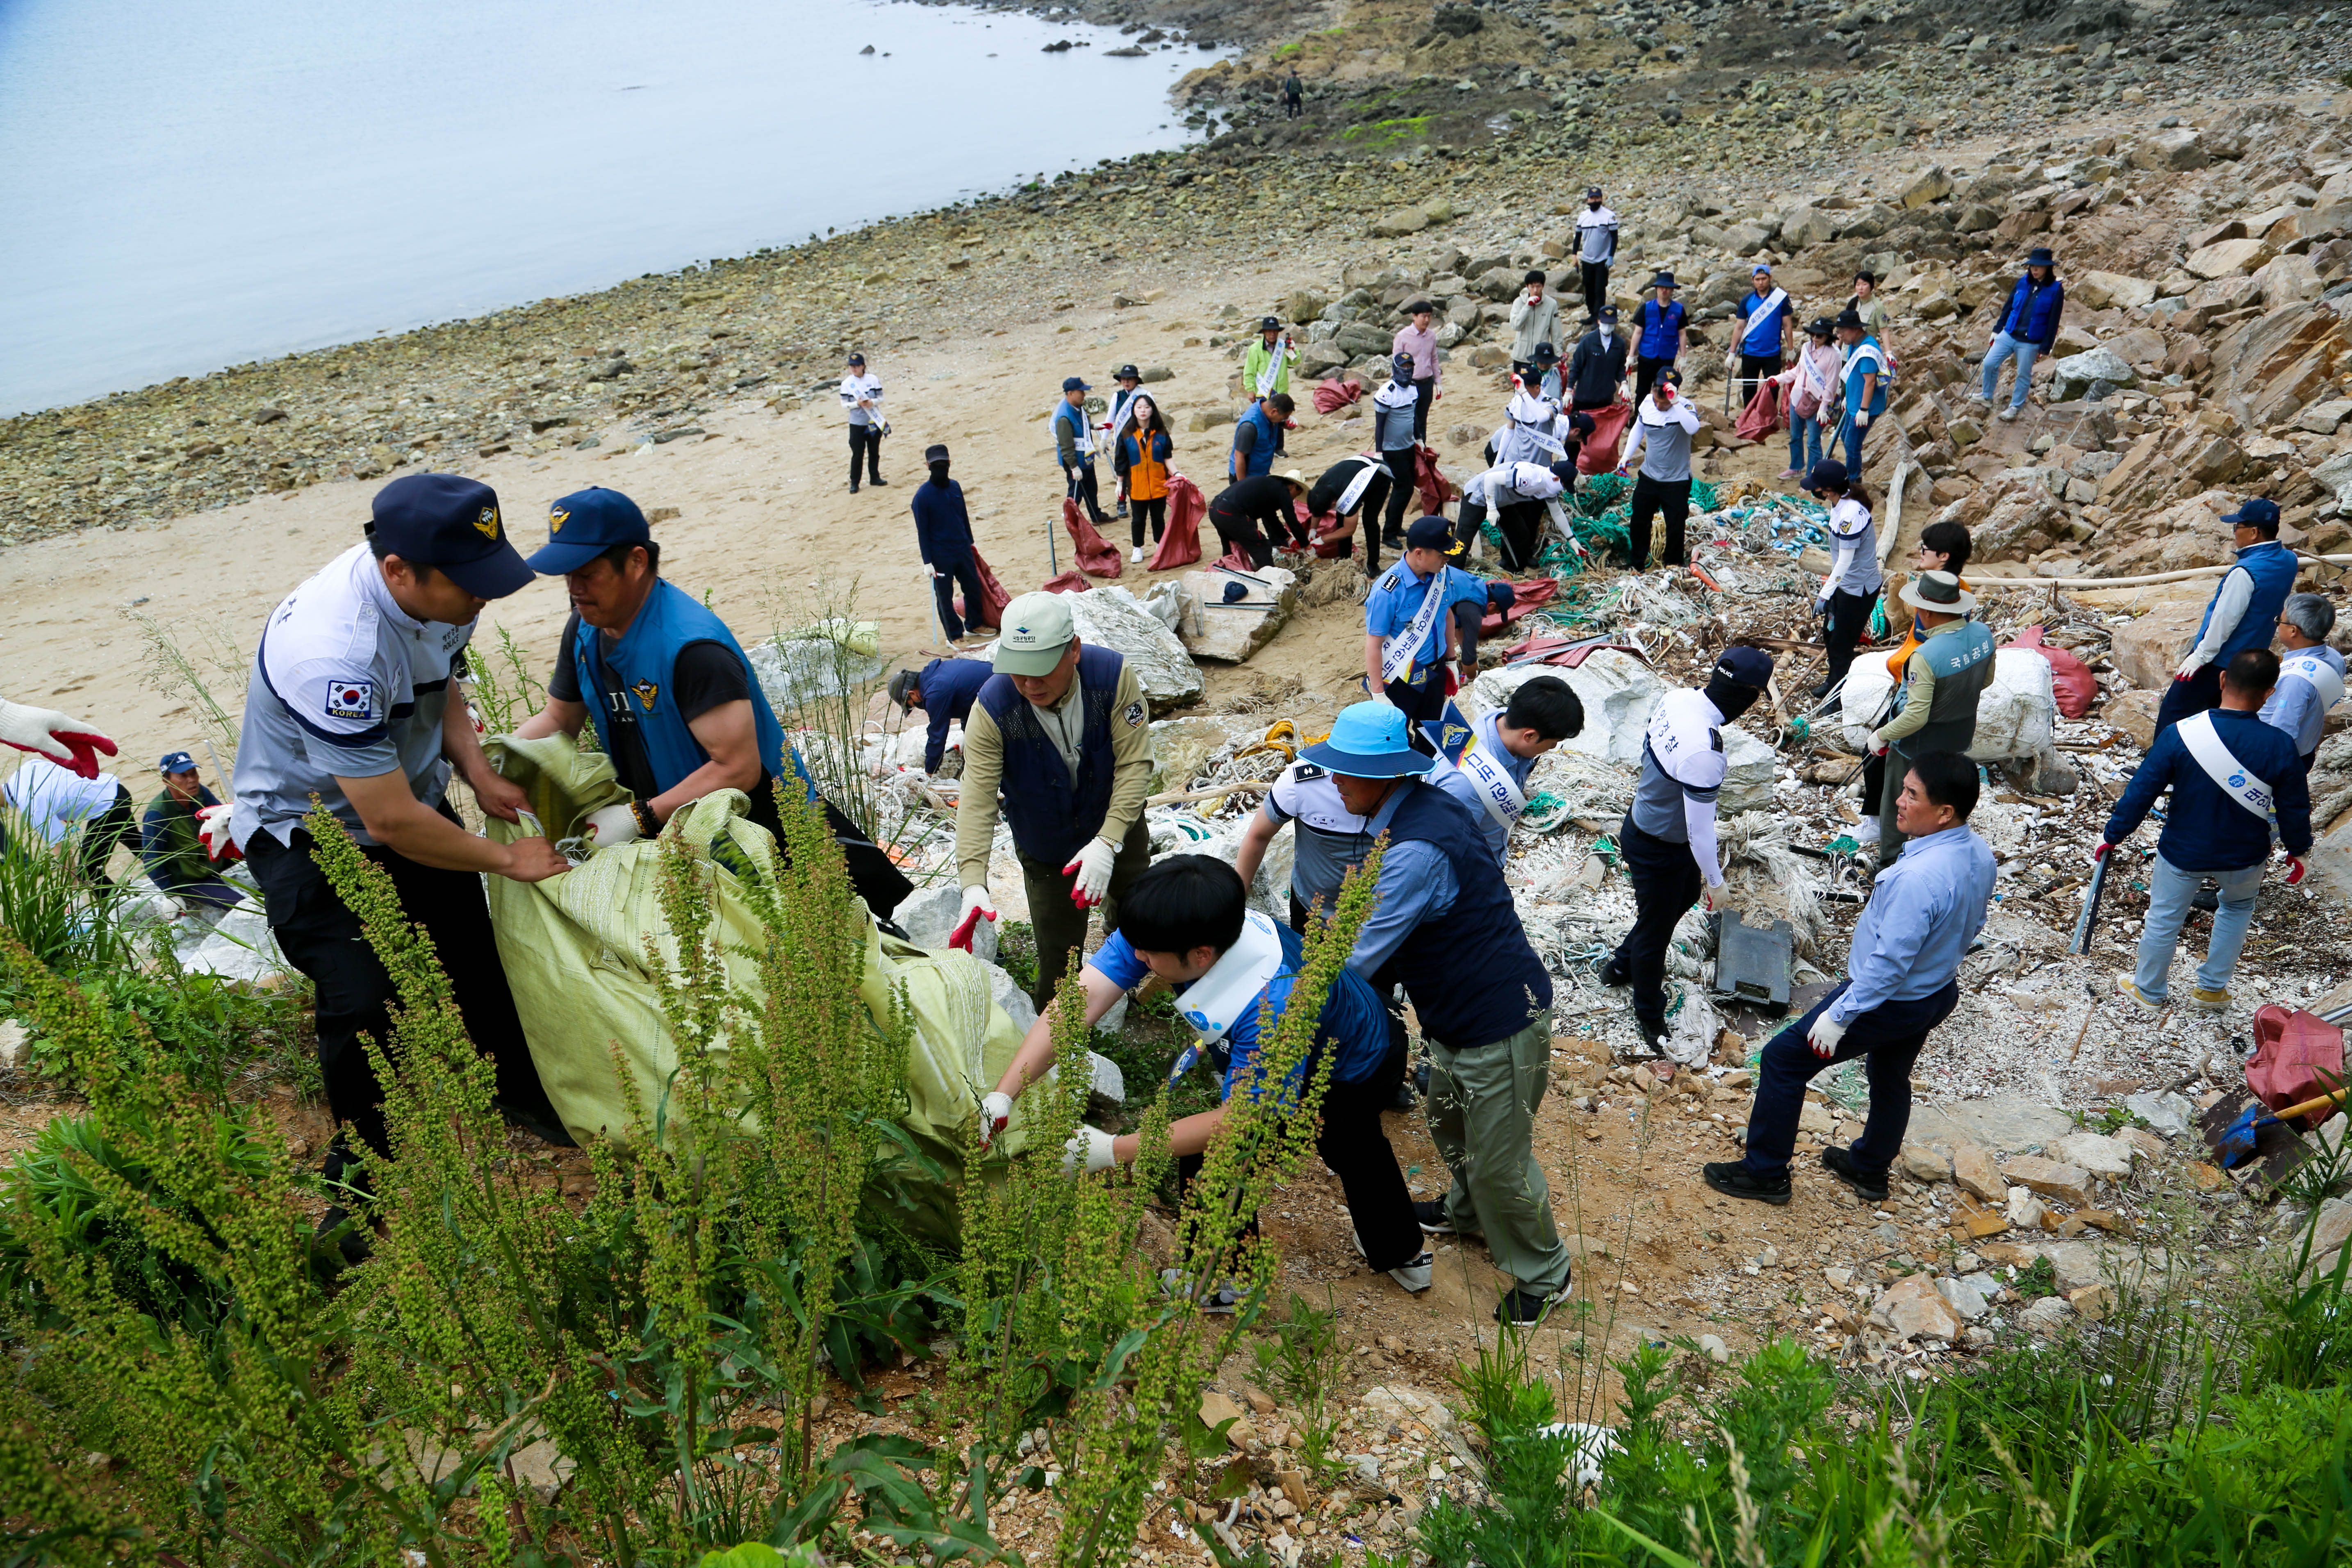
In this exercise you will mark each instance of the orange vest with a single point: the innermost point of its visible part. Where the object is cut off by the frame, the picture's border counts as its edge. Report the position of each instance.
(1911, 640)
(1148, 479)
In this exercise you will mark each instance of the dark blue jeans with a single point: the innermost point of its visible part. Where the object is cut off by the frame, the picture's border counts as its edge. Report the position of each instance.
(2187, 698)
(1889, 1035)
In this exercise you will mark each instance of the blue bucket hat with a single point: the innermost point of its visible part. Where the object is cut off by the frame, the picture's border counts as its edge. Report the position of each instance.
(1368, 741)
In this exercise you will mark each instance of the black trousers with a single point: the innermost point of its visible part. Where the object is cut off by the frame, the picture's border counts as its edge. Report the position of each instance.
(1645, 375)
(1469, 617)
(321, 938)
(1888, 1038)
(1652, 497)
(1427, 395)
(962, 575)
(1154, 513)
(2187, 698)
(1754, 368)
(1291, 108)
(1666, 881)
(1404, 475)
(1521, 525)
(1849, 617)
(1596, 287)
(1238, 532)
(1083, 488)
(866, 446)
(118, 824)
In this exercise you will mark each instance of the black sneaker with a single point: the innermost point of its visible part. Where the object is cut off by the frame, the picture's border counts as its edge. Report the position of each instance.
(1734, 1181)
(875, 480)
(1525, 1309)
(853, 490)
(1403, 1099)
(1840, 1163)
(1431, 1214)
(1653, 1035)
(1613, 973)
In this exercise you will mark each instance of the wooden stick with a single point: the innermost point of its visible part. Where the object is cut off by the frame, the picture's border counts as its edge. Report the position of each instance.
(1177, 797)
(2150, 580)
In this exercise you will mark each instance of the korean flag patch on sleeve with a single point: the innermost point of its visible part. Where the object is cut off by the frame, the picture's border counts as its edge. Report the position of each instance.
(351, 700)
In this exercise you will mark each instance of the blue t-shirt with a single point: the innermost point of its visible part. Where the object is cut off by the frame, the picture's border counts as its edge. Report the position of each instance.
(1354, 1023)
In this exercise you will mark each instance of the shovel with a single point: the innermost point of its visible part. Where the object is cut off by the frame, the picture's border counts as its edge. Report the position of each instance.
(2235, 1146)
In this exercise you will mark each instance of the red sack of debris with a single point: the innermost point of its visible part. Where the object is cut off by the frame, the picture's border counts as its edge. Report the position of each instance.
(1334, 535)
(1762, 415)
(1434, 488)
(1600, 453)
(2070, 679)
(1531, 595)
(1098, 556)
(991, 613)
(1330, 396)
(2298, 1055)
(1181, 545)
(1070, 581)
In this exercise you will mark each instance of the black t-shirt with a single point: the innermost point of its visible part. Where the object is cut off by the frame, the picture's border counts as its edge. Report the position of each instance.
(704, 675)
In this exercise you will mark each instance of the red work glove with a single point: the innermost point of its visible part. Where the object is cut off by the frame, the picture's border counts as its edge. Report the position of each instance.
(2295, 869)
(976, 908)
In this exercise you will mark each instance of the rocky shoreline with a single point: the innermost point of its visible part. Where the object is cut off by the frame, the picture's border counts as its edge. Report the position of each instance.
(1473, 122)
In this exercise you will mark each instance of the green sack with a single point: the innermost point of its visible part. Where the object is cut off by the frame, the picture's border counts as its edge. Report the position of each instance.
(575, 951)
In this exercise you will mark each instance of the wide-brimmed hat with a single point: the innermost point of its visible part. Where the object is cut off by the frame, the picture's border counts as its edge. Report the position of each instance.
(2041, 256)
(1368, 741)
(1938, 592)
(1820, 326)
(1664, 280)
(1127, 373)
(1269, 323)
(1295, 478)
(1544, 355)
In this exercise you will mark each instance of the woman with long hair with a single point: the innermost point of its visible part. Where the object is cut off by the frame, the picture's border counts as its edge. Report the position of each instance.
(1142, 458)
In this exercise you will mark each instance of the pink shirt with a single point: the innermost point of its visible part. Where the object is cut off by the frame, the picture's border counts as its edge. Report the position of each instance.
(1422, 347)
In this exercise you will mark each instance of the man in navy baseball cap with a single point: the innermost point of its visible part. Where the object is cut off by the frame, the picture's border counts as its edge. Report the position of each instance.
(586, 524)
(451, 524)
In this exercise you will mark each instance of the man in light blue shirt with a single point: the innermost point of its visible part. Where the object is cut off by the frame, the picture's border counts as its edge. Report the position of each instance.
(1903, 980)
(1409, 639)
(1484, 763)
(2311, 674)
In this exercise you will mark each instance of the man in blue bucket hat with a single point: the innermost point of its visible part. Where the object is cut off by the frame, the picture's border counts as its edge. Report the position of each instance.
(1487, 1023)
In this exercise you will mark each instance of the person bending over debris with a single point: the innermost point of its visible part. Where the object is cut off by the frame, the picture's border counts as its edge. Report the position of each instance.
(53, 801)
(1485, 763)
(171, 835)
(1935, 706)
(1854, 575)
(1187, 919)
(677, 708)
(1061, 728)
(2243, 612)
(1257, 437)
(1668, 834)
(1486, 1021)
(1255, 515)
(1408, 636)
(944, 691)
(1518, 496)
(1902, 980)
(2311, 674)
(2229, 773)
(71, 743)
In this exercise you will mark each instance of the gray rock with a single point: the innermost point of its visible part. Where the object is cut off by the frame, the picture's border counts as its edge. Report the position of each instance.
(2096, 1153)
(2072, 376)
(1114, 619)
(2336, 474)
(2168, 1113)
(1970, 1297)
(2007, 1123)
(2046, 1319)
(1230, 631)
(929, 915)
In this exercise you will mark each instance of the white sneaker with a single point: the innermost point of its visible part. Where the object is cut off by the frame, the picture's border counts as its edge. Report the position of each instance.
(1138, 556)
(2008, 414)
(1413, 1276)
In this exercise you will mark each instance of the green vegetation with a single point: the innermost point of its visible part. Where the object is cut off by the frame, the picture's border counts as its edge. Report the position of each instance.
(1388, 132)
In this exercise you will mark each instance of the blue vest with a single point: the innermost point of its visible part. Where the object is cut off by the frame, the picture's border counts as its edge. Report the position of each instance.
(1081, 437)
(2271, 566)
(1466, 1004)
(1261, 458)
(1051, 814)
(1662, 331)
(2031, 310)
(669, 619)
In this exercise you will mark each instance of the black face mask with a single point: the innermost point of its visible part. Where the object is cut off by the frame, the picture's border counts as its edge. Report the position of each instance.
(940, 475)
(1729, 697)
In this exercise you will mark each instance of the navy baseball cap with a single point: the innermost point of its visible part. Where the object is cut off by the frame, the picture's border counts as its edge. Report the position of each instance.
(2257, 511)
(1432, 533)
(451, 524)
(1745, 666)
(1075, 384)
(176, 763)
(584, 525)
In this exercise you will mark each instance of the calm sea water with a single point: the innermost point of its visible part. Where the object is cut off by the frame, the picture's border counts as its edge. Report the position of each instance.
(184, 186)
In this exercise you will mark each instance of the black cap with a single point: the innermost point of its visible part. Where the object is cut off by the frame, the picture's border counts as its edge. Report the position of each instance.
(1592, 194)
(1432, 533)
(1580, 422)
(1544, 355)
(1850, 317)
(1745, 667)
(857, 359)
(1270, 324)
(903, 686)
(1671, 376)
(1608, 313)
(1829, 474)
(451, 524)
(1075, 384)
(1127, 373)
(1820, 327)
(935, 452)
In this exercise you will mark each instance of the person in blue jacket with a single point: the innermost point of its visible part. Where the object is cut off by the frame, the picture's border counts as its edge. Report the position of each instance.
(2229, 775)
(1657, 332)
(2243, 613)
(944, 691)
(943, 535)
(1764, 315)
(676, 707)
(2028, 328)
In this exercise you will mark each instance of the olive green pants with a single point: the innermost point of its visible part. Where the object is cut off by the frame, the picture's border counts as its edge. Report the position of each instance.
(1482, 1116)
(1059, 925)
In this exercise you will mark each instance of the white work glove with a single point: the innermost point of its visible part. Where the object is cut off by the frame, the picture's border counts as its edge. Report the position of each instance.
(1089, 1149)
(1862, 421)
(213, 833)
(1825, 1035)
(996, 1110)
(613, 825)
(1878, 743)
(1720, 899)
(975, 907)
(2189, 666)
(1093, 867)
(71, 743)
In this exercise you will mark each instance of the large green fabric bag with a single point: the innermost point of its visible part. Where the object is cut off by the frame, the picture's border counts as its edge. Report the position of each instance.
(575, 950)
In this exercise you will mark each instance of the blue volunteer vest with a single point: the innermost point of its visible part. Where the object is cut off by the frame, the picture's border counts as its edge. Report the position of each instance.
(1081, 437)
(1661, 329)
(1052, 814)
(1261, 458)
(1465, 1004)
(2030, 309)
(2271, 566)
(643, 659)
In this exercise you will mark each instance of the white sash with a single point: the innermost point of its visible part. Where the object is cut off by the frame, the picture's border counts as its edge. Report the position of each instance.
(1271, 374)
(1212, 1004)
(2222, 765)
(1544, 440)
(1772, 303)
(1354, 494)
(1498, 792)
(2320, 673)
(1400, 654)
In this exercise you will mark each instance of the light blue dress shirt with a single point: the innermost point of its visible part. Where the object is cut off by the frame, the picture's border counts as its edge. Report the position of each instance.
(1924, 910)
(1458, 785)
(1416, 884)
(2294, 705)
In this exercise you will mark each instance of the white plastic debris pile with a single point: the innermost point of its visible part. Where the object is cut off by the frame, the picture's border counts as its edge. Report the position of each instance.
(824, 661)
(2017, 716)
(1617, 690)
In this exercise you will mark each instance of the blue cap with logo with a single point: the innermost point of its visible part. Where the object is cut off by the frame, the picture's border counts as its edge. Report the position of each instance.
(2255, 511)
(1369, 740)
(584, 525)
(450, 523)
(176, 763)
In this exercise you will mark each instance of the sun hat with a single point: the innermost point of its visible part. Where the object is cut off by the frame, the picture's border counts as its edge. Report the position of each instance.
(1938, 592)
(1368, 741)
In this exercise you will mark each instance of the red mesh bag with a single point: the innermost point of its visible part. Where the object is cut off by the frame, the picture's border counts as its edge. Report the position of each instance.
(2070, 679)
(1181, 545)
(991, 614)
(2298, 1055)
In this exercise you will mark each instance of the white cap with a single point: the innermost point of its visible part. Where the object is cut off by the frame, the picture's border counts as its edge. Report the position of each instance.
(1036, 633)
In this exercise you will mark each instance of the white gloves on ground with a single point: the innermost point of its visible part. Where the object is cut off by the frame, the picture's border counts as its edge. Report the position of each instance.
(1721, 899)
(71, 743)
(1825, 1035)
(1093, 867)
(996, 1110)
(1089, 1149)
(613, 825)
(975, 908)
(213, 833)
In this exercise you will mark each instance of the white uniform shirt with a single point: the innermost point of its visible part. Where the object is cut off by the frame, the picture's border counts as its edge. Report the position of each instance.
(1331, 840)
(1683, 769)
(54, 801)
(346, 684)
(869, 388)
(1507, 484)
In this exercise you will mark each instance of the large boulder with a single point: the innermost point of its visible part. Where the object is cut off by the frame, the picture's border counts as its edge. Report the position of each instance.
(2183, 148)
(2228, 258)
(1115, 619)
(2072, 376)
(1400, 221)
(1229, 630)
(1616, 689)
(1932, 184)
(1751, 769)
(2150, 647)
(2101, 290)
